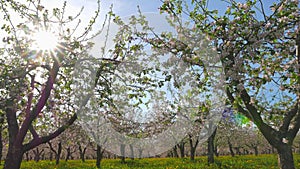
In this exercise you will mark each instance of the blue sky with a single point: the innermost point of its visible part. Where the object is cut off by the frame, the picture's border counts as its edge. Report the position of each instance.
(121, 7)
(128, 7)
(125, 8)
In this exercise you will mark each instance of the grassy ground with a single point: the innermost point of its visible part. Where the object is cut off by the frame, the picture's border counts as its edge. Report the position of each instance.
(224, 162)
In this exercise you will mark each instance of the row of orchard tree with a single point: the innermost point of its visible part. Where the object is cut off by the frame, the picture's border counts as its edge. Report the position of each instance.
(229, 139)
(257, 47)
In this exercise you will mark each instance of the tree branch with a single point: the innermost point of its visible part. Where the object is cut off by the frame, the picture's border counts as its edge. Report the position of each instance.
(263, 10)
(30, 97)
(40, 105)
(287, 119)
(41, 140)
(273, 136)
(239, 107)
(295, 127)
(33, 132)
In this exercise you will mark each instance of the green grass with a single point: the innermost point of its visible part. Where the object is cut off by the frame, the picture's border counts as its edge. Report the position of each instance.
(224, 162)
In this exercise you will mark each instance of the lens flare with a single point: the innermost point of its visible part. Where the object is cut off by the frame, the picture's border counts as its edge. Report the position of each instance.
(44, 41)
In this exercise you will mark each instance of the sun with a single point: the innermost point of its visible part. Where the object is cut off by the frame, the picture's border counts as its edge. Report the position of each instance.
(44, 41)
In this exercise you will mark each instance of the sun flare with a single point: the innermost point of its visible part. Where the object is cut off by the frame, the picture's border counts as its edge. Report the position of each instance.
(44, 41)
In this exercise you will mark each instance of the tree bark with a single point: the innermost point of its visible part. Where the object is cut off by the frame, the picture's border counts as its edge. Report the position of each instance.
(1, 144)
(15, 152)
(192, 154)
(82, 153)
(175, 154)
(131, 152)
(255, 150)
(237, 150)
(181, 147)
(57, 153)
(37, 154)
(140, 152)
(285, 157)
(57, 156)
(50, 155)
(69, 154)
(122, 150)
(193, 147)
(99, 157)
(210, 148)
(1, 139)
(230, 148)
(13, 158)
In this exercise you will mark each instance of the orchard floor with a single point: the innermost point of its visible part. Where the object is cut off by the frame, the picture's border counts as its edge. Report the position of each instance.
(224, 162)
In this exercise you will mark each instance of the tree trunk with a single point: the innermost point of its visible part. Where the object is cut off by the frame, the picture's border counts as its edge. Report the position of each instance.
(255, 150)
(193, 147)
(210, 153)
(181, 148)
(37, 154)
(122, 150)
(13, 158)
(57, 155)
(82, 153)
(274, 135)
(192, 155)
(99, 156)
(69, 154)
(285, 157)
(245, 151)
(15, 150)
(17, 134)
(50, 155)
(237, 150)
(1, 143)
(1, 138)
(284, 150)
(140, 153)
(131, 152)
(175, 154)
(230, 148)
